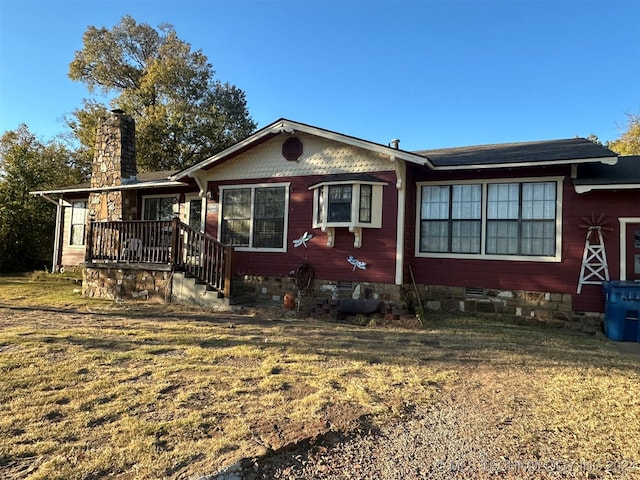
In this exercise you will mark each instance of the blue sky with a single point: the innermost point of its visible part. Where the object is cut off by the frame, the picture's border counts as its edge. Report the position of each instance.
(432, 73)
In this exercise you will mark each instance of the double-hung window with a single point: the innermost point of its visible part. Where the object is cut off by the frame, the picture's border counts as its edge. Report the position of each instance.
(255, 216)
(491, 219)
(78, 222)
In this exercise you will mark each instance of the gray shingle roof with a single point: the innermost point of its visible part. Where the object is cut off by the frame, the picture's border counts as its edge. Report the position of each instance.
(156, 178)
(525, 152)
(141, 178)
(626, 171)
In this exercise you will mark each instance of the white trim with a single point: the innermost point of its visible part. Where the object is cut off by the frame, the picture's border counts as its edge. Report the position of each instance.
(623, 243)
(202, 185)
(253, 186)
(377, 193)
(556, 178)
(58, 235)
(288, 127)
(133, 186)
(483, 256)
(481, 166)
(401, 176)
(84, 223)
(188, 198)
(347, 182)
(609, 186)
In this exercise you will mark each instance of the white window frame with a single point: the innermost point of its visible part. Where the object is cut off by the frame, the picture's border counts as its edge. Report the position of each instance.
(72, 224)
(176, 205)
(188, 198)
(320, 213)
(623, 243)
(253, 187)
(559, 181)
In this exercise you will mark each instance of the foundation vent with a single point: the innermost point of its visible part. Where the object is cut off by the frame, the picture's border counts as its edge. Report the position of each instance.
(473, 292)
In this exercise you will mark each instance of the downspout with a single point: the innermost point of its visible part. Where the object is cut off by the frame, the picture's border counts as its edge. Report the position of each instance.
(202, 185)
(204, 197)
(401, 174)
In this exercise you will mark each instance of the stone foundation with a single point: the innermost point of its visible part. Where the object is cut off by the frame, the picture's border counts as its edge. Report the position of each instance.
(548, 309)
(272, 290)
(399, 305)
(322, 298)
(126, 283)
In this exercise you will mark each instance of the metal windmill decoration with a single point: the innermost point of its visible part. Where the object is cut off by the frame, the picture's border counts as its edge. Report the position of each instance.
(594, 269)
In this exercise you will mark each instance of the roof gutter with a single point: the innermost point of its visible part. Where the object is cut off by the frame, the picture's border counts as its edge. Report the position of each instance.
(585, 188)
(46, 197)
(135, 186)
(572, 161)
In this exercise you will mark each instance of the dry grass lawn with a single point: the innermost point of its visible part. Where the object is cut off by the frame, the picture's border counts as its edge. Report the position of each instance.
(95, 389)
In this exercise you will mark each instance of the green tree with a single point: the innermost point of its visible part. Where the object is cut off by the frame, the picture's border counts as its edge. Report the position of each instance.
(629, 142)
(27, 222)
(84, 124)
(182, 113)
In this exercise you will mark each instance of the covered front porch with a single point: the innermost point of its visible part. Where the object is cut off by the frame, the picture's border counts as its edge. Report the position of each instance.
(166, 247)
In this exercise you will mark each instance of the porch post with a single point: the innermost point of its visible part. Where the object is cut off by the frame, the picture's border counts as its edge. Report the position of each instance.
(175, 233)
(55, 264)
(228, 271)
(89, 243)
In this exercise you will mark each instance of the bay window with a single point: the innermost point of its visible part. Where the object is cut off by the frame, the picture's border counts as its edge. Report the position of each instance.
(347, 204)
(352, 201)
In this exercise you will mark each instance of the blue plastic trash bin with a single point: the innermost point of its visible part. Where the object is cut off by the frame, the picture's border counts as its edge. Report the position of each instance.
(622, 311)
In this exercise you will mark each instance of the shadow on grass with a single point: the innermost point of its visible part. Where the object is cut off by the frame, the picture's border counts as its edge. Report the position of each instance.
(451, 339)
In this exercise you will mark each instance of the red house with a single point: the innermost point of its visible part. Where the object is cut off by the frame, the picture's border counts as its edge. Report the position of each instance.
(525, 229)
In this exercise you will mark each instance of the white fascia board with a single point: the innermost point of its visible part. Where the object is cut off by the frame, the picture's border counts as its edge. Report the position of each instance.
(604, 160)
(347, 182)
(46, 197)
(133, 186)
(191, 171)
(610, 186)
(289, 127)
(356, 142)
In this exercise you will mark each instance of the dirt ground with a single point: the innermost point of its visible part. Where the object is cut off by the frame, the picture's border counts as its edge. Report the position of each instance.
(489, 421)
(476, 429)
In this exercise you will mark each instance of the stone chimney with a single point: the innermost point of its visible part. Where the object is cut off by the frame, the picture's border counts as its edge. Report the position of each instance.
(114, 164)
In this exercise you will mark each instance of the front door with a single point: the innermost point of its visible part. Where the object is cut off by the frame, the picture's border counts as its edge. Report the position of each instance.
(631, 258)
(192, 216)
(193, 212)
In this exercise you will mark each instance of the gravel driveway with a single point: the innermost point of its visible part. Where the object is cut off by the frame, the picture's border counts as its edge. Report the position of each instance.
(450, 439)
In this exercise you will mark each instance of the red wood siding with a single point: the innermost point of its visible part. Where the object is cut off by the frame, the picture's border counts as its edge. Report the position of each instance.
(378, 245)
(561, 277)
(612, 205)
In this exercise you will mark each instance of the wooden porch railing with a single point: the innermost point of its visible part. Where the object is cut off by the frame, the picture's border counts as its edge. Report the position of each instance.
(168, 242)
